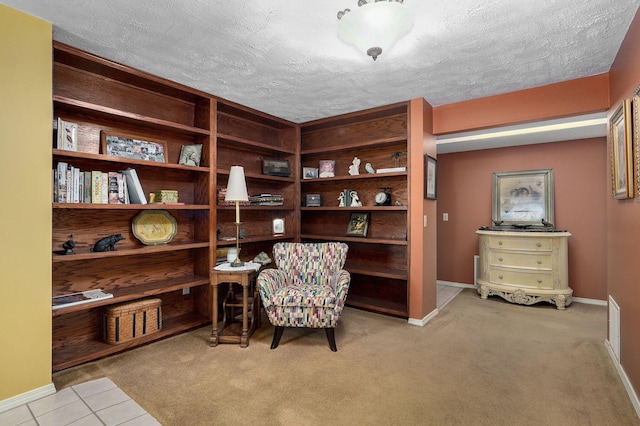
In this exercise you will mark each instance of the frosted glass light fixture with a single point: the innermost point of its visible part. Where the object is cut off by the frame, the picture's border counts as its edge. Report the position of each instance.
(375, 25)
(237, 191)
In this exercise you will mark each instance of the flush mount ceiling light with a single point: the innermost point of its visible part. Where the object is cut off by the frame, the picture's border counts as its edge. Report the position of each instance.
(375, 25)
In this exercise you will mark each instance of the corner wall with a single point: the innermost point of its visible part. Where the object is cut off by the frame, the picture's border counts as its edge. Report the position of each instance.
(623, 221)
(25, 171)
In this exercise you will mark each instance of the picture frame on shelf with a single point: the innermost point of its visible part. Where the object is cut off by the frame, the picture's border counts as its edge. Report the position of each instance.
(309, 172)
(523, 198)
(133, 147)
(358, 225)
(313, 200)
(67, 135)
(430, 177)
(327, 168)
(636, 135)
(278, 227)
(621, 135)
(275, 167)
(190, 154)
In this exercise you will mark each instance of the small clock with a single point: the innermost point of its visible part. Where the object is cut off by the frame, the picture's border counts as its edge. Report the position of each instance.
(383, 198)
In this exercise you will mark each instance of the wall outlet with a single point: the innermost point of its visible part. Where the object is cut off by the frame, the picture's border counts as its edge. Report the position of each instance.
(445, 217)
(186, 290)
(425, 220)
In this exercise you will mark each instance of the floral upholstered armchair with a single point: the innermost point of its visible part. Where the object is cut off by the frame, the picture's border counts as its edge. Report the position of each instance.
(308, 289)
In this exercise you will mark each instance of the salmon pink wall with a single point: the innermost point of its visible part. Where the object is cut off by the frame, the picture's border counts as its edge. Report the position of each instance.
(464, 192)
(567, 98)
(623, 221)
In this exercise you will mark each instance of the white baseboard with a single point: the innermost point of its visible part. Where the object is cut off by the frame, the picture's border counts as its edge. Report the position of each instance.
(625, 380)
(424, 320)
(27, 397)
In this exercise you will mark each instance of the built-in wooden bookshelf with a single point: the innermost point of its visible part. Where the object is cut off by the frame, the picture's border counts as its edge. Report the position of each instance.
(379, 262)
(102, 96)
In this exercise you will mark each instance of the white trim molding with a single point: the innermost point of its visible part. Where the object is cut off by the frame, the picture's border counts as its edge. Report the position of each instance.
(27, 397)
(422, 322)
(625, 380)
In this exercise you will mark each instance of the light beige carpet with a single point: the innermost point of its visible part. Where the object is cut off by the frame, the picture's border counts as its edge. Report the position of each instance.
(479, 362)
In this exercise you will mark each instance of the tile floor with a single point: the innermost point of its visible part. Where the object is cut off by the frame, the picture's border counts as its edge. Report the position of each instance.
(445, 294)
(98, 402)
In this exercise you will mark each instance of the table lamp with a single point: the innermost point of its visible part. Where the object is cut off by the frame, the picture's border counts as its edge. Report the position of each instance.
(237, 191)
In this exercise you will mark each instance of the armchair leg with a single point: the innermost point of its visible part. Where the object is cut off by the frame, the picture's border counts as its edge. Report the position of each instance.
(331, 337)
(277, 334)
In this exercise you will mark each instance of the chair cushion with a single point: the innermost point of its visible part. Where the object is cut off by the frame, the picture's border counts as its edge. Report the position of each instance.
(307, 296)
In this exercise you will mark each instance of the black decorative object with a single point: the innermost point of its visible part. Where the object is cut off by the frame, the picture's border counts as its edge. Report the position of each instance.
(69, 245)
(107, 243)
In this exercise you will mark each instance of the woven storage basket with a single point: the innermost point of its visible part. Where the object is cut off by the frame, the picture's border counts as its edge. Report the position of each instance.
(129, 321)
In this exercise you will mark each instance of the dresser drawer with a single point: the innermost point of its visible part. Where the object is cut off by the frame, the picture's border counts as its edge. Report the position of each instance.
(540, 261)
(543, 244)
(521, 279)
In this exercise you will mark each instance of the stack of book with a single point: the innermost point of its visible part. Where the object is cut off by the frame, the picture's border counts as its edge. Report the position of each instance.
(222, 193)
(72, 185)
(266, 200)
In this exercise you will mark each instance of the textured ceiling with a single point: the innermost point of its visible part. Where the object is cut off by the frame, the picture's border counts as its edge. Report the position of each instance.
(284, 58)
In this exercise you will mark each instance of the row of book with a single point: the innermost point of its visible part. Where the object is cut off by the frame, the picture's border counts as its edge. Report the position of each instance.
(266, 200)
(72, 185)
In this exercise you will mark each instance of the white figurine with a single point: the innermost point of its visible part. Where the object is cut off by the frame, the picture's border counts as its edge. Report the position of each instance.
(369, 168)
(355, 201)
(341, 199)
(354, 169)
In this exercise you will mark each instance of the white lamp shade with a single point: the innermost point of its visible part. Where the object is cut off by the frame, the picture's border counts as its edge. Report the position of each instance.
(375, 24)
(237, 187)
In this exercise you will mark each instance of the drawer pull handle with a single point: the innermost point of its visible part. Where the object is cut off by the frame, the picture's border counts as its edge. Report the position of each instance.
(539, 281)
(500, 259)
(499, 243)
(538, 244)
(539, 262)
(500, 276)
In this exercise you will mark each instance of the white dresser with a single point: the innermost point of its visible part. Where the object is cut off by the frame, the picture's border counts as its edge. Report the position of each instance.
(525, 267)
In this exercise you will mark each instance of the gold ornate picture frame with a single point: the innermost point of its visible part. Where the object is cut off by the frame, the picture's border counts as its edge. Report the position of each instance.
(621, 136)
(636, 136)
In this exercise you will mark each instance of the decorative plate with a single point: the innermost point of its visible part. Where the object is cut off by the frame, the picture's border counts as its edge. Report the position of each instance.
(153, 227)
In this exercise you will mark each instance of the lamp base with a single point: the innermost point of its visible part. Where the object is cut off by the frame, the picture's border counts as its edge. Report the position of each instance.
(237, 263)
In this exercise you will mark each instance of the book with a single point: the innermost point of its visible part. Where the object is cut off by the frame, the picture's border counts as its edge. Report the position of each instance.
(87, 187)
(62, 181)
(96, 187)
(113, 187)
(391, 170)
(67, 135)
(72, 299)
(136, 194)
(105, 188)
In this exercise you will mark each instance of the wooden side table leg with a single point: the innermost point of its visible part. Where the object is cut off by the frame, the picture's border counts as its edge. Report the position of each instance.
(244, 339)
(213, 340)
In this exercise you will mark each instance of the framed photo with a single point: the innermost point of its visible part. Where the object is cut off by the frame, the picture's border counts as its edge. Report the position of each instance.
(278, 226)
(190, 155)
(621, 135)
(327, 168)
(430, 177)
(636, 134)
(130, 146)
(276, 168)
(67, 137)
(312, 200)
(523, 198)
(309, 172)
(358, 224)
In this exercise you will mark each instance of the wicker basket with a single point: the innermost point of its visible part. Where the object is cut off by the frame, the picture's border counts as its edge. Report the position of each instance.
(121, 323)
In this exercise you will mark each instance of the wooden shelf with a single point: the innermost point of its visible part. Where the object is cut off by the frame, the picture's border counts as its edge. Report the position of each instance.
(360, 145)
(102, 112)
(141, 290)
(225, 243)
(123, 163)
(377, 305)
(363, 240)
(239, 142)
(145, 250)
(376, 271)
(79, 352)
(92, 206)
(361, 208)
(355, 177)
